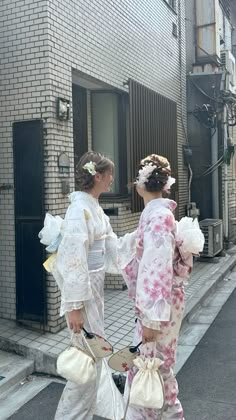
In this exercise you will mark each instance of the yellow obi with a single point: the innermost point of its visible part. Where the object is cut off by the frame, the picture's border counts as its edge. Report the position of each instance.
(49, 262)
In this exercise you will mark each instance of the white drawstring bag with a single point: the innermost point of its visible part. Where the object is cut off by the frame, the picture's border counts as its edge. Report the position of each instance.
(147, 389)
(77, 364)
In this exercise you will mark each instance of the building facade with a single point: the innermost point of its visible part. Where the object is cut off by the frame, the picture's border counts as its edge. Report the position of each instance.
(211, 86)
(79, 75)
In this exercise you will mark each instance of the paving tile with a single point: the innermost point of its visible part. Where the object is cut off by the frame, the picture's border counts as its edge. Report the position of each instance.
(55, 351)
(35, 345)
(24, 341)
(16, 337)
(6, 334)
(61, 346)
(44, 347)
(125, 343)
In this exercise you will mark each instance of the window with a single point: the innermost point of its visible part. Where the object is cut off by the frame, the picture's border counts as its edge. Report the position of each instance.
(108, 113)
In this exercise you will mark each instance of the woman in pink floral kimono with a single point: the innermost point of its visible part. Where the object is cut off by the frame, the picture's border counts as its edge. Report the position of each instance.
(155, 280)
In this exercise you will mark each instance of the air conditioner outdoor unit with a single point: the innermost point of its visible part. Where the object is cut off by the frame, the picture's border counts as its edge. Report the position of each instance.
(228, 62)
(212, 230)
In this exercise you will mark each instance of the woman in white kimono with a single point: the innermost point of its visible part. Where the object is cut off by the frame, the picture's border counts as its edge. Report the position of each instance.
(155, 279)
(79, 270)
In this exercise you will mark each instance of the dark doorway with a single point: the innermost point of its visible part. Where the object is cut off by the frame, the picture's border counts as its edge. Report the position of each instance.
(29, 214)
(80, 123)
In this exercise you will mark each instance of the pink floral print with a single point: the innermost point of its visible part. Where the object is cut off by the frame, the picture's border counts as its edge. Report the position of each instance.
(155, 280)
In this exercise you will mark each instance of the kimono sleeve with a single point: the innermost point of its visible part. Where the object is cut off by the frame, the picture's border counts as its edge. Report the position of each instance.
(111, 255)
(155, 275)
(71, 261)
(119, 251)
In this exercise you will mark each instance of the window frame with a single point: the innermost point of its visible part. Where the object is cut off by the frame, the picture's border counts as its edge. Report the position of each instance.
(122, 143)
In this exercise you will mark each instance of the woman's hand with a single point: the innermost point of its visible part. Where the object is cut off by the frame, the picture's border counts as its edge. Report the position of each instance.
(76, 320)
(149, 335)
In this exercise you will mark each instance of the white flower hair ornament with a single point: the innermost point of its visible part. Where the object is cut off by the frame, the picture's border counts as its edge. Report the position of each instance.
(169, 183)
(144, 173)
(90, 167)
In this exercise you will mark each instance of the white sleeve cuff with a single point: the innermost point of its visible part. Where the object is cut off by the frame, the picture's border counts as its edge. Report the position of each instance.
(72, 306)
(154, 325)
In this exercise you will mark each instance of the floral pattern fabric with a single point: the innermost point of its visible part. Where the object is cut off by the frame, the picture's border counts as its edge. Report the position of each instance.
(155, 279)
(85, 222)
(86, 225)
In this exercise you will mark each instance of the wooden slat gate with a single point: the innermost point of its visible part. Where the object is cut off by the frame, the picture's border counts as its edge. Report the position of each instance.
(153, 129)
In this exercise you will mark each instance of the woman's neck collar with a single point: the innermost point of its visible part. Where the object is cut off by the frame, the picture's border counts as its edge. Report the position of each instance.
(151, 196)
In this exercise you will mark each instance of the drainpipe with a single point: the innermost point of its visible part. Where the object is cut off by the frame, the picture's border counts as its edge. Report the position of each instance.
(215, 174)
(226, 202)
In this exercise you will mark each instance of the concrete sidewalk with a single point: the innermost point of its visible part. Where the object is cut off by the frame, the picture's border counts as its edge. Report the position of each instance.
(119, 318)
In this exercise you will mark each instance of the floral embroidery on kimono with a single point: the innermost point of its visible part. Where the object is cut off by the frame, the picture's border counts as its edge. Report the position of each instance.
(79, 269)
(155, 279)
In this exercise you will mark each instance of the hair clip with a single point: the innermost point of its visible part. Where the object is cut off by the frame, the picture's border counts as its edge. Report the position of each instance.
(90, 167)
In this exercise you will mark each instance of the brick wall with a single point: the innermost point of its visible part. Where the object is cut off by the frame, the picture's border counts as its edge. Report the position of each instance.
(24, 94)
(42, 41)
(117, 40)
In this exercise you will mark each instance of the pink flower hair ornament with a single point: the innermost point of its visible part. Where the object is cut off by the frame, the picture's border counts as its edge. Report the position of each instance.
(144, 173)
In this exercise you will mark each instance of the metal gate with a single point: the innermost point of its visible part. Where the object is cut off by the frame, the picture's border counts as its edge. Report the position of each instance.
(29, 214)
(153, 129)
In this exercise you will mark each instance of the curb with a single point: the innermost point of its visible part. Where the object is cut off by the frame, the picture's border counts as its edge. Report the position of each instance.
(43, 362)
(195, 303)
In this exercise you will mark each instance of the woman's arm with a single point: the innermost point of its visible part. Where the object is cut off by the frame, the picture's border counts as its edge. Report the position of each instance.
(155, 275)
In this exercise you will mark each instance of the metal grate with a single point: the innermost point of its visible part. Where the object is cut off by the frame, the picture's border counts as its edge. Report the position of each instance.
(153, 129)
(223, 58)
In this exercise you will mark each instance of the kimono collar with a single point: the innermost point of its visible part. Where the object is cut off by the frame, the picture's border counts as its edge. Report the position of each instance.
(162, 202)
(82, 195)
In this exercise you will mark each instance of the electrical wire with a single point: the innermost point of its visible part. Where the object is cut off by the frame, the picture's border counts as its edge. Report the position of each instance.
(205, 94)
(212, 168)
(214, 165)
(210, 172)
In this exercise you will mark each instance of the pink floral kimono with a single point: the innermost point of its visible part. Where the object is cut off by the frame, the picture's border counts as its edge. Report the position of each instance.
(155, 279)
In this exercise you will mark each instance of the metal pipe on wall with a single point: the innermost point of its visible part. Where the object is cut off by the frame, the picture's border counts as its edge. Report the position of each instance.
(226, 192)
(215, 174)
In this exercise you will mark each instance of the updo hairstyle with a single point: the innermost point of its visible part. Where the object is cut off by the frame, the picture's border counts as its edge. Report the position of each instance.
(160, 174)
(85, 181)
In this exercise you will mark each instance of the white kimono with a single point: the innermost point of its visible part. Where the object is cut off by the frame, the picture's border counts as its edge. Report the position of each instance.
(87, 243)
